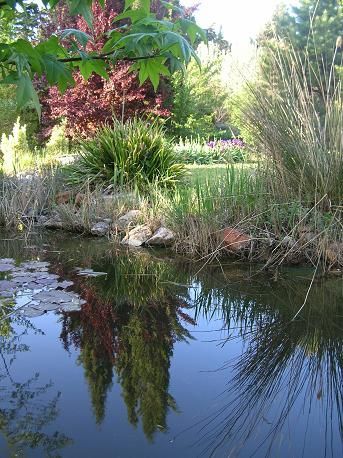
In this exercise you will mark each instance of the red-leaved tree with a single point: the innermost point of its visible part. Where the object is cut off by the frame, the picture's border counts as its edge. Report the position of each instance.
(94, 102)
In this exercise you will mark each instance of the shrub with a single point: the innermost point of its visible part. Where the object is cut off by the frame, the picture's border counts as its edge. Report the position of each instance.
(134, 154)
(58, 142)
(199, 97)
(212, 152)
(14, 148)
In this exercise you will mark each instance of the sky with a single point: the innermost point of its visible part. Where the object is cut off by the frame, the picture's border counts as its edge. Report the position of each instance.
(240, 19)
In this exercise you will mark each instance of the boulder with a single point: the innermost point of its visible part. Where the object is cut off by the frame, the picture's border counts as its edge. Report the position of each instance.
(53, 223)
(162, 237)
(334, 253)
(41, 220)
(235, 240)
(137, 236)
(127, 220)
(63, 198)
(288, 242)
(100, 229)
(79, 199)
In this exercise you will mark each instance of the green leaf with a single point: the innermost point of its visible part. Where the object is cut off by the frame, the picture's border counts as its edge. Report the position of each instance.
(111, 42)
(134, 15)
(191, 29)
(27, 93)
(51, 46)
(151, 69)
(172, 7)
(57, 73)
(82, 37)
(128, 4)
(83, 8)
(145, 6)
(87, 67)
(25, 48)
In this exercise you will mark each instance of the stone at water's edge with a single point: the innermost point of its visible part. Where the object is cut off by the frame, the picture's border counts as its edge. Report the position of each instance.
(235, 240)
(130, 218)
(63, 198)
(138, 236)
(334, 253)
(100, 229)
(53, 223)
(162, 237)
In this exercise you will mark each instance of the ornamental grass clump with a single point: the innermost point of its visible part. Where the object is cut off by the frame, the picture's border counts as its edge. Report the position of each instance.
(133, 154)
(296, 119)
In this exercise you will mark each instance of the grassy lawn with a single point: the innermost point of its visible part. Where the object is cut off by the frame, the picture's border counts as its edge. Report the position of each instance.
(212, 172)
(206, 172)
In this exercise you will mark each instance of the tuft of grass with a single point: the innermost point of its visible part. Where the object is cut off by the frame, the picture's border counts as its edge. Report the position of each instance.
(298, 126)
(135, 154)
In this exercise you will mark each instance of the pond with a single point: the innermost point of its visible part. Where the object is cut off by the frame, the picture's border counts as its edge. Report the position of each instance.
(158, 357)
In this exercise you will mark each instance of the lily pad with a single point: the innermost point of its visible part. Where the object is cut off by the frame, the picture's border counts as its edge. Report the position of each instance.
(35, 264)
(5, 267)
(89, 272)
(65, 284)
(70, 308)
(48, 306)
(6, 285)
(31, 312)
(7, 261)
(7, 294)
(55, 296)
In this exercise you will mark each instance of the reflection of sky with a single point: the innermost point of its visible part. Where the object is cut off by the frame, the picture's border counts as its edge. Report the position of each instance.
(198, 387)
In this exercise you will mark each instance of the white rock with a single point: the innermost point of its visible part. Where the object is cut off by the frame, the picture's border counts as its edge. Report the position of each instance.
(138, 236)
(100, 229)
(129, 219)
(162, 237)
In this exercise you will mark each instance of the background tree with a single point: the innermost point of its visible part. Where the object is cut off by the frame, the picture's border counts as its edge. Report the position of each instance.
(198, 98)
(97, 99)
(156, 47)
(311, 28)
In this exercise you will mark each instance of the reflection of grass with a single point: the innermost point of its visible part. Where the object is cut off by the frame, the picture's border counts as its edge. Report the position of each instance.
(286, 364)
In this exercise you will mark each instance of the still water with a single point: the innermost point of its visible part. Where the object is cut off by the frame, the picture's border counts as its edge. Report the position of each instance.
(171, 359)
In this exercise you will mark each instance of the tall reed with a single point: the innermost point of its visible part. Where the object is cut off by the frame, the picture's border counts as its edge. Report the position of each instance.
(296, 118)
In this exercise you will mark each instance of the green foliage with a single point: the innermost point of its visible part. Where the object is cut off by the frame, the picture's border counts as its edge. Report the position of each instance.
(8, 109)
(58, 143)
(14, 148)
(199, 152)
(134, 154)
(312, 29)
(199, 98)
(157, 47)
(300, 129)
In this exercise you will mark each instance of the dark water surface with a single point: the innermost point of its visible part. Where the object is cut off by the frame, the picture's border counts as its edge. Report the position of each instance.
(167, 359)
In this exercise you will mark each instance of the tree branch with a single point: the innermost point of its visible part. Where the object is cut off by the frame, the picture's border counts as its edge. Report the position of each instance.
(105, 56)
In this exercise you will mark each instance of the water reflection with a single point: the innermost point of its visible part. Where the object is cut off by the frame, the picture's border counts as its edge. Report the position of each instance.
(129, 325)
(284, 392)
(27, 407)
(288, 368)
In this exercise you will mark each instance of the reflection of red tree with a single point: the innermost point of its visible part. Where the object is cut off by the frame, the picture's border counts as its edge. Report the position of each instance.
(95, 322)
(99, 322)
